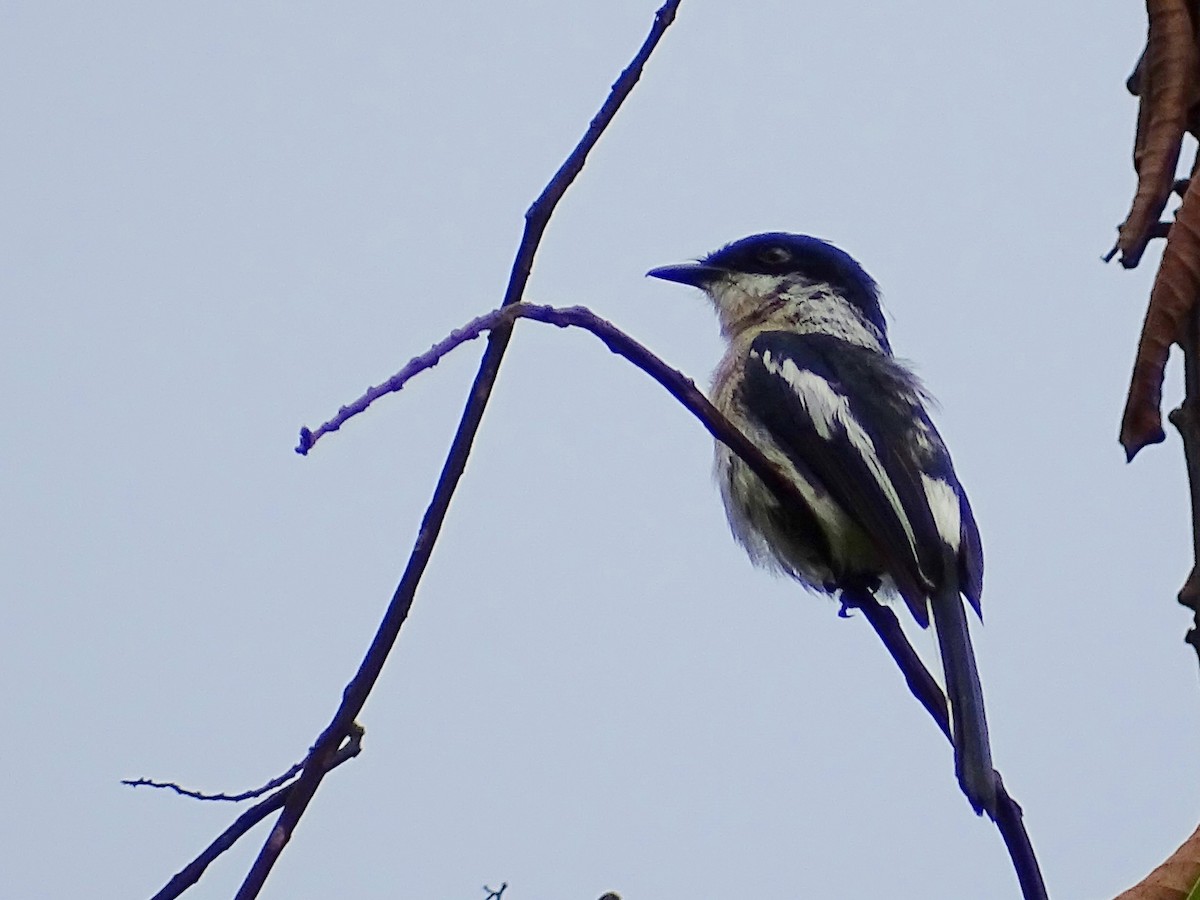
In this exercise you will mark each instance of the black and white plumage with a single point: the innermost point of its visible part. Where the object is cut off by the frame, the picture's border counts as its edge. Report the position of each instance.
(809, 376)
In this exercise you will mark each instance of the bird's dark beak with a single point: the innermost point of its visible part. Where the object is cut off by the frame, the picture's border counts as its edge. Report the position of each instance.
(695, 274)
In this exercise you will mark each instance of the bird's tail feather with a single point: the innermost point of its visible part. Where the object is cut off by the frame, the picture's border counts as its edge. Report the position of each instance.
(968, 723)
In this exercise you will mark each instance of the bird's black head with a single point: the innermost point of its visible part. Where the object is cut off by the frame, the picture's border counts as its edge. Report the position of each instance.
(785, 256)
(780, 253)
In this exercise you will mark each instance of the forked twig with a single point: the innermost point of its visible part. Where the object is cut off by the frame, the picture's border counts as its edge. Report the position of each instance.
(191, 873)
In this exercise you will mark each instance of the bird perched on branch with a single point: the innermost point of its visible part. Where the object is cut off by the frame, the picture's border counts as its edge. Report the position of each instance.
(810, 378)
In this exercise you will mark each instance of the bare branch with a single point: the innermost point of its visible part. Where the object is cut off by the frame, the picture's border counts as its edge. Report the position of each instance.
(356, 692)
(416, 365)
(923, 686)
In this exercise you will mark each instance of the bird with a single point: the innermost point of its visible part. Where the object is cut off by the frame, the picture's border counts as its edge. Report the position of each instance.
(808, 375)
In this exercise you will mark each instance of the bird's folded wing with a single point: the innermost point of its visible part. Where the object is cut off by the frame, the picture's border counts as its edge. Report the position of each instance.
(825, 401)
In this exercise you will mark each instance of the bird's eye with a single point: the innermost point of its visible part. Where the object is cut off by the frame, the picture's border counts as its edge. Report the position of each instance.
(774, 255)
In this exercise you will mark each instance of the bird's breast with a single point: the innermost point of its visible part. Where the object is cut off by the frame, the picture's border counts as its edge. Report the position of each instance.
(759, 520)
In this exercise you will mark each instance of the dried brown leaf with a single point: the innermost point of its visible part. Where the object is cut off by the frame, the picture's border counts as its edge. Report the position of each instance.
(1169, 85)
(1176, 287)
(1174, 878)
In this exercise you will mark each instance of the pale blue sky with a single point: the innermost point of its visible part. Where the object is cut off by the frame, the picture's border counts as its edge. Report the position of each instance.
(223, 220)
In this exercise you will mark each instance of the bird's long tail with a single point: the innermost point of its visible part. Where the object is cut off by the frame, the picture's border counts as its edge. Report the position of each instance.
(968, 723)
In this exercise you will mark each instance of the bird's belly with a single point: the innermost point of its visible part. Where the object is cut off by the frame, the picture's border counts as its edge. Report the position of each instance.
(773, 538)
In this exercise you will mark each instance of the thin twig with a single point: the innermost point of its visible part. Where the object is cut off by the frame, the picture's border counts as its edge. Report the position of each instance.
(416, 365)
(676, 383)
(225, 798)
(356, 692)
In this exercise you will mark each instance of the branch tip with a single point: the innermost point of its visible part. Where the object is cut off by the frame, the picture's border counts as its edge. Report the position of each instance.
(306, 441)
